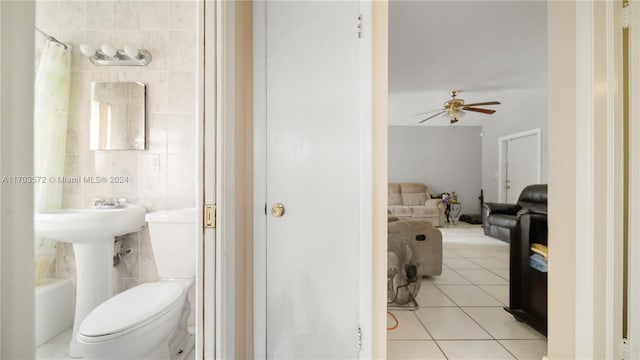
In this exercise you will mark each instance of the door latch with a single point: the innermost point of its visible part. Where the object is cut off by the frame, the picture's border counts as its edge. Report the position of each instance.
(209, 216)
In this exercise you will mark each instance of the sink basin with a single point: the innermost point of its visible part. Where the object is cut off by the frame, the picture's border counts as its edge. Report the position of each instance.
(92, 232)
(90, 224)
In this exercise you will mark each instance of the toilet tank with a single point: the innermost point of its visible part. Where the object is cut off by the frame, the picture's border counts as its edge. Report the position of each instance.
(173, 239)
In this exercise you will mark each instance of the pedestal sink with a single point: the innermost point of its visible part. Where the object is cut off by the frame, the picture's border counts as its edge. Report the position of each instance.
(92, 232)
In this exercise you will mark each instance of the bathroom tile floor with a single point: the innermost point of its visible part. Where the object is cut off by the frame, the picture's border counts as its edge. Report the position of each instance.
(56, 349)
(461, 314)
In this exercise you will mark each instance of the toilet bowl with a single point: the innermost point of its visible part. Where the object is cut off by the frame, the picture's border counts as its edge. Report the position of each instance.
(149, 321)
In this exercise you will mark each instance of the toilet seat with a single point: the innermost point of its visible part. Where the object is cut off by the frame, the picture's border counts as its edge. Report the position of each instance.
(131, 310)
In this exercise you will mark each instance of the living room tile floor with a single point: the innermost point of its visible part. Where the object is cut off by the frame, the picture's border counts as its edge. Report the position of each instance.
(461, 314)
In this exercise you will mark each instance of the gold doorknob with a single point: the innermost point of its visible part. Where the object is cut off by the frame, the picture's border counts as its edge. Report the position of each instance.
(277, 210)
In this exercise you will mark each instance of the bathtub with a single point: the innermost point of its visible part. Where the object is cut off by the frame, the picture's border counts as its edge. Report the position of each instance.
(54, 308)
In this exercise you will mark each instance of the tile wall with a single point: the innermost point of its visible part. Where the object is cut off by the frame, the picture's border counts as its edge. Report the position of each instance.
(168, 29)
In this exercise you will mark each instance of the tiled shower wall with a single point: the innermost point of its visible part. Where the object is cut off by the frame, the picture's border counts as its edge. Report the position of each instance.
(168, 29)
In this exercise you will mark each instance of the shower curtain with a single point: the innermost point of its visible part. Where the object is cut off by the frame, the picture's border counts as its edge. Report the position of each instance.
(52, 92)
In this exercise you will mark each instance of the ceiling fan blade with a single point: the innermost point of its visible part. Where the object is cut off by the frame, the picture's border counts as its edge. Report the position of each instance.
(484, 103)
(427, 112)
(484, 111)
(431, 117)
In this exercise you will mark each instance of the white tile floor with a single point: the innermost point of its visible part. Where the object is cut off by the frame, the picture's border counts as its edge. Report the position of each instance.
(56, 349)
(461, 314)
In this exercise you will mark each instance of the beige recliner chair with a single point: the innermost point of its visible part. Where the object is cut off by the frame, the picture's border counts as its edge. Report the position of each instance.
(414, 200)
(426, 238)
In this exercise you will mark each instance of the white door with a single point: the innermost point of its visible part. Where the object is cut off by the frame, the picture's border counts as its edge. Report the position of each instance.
(312, 166)
(523, 166)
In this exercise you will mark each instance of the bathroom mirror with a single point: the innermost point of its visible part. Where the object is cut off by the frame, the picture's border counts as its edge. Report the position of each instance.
(117, 116)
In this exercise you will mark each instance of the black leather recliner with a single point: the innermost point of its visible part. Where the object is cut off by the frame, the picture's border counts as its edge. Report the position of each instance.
(501, 221)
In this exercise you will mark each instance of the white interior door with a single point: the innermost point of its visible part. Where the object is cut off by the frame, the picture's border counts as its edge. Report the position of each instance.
(522, 164)
(312, 168)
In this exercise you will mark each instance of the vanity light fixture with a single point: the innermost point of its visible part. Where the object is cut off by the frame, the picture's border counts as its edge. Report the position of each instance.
(110, 56)
(87, 50)
(131, 51)
(109, 50)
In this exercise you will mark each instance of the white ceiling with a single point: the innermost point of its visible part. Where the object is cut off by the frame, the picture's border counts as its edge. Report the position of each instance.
(489, 50)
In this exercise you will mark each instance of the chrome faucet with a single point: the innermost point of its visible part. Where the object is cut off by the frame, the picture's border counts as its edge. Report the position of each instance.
(114, 202)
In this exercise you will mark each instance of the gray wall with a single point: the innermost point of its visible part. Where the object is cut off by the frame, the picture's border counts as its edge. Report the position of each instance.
(447, 158)
(521, 110)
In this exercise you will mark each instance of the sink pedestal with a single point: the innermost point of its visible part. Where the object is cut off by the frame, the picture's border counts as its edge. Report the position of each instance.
(94, 261)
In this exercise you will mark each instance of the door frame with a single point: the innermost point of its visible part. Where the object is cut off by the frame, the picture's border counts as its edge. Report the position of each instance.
(2, 149)
(598, 264)
(259, 180)
(206, 168)
(503, 157)
(17, 21)
(633, 287)
(231, 122)
(223, 94)
(585, 246)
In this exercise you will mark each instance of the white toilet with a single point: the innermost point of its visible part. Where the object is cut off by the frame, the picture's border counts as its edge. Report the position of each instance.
(149, 321)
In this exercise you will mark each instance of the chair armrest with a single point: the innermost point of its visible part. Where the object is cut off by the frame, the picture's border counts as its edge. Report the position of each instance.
(433, 202)
(499, 208)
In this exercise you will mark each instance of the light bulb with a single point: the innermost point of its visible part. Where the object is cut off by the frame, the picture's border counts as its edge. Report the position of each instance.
(87, 50)
(131, 51)
(454, 114)
(109, 50)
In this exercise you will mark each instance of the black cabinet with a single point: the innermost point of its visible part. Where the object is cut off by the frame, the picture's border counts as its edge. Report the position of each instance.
(528, 286)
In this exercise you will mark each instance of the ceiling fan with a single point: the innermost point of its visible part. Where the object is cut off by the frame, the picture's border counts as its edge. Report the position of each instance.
(453, 109)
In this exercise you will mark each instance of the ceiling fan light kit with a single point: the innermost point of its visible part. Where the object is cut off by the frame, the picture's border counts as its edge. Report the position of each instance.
(454, 109)
(454, 115)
